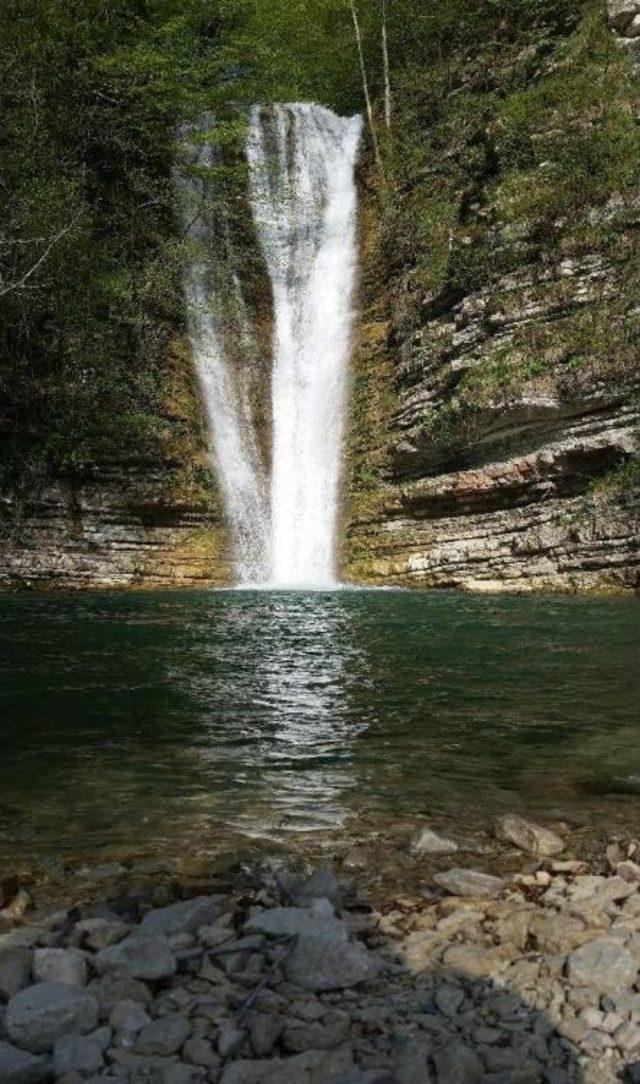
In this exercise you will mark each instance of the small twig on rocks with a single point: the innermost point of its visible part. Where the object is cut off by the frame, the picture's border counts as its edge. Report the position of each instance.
(286, 944)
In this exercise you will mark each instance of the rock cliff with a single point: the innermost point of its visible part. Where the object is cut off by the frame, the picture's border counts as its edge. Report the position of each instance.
(507, 453)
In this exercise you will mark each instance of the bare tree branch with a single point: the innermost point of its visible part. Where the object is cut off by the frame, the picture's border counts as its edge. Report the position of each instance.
(18, 285)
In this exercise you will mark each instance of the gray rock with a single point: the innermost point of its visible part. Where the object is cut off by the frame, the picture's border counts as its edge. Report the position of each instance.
(199, 1051)
(264, 1032)
(322, 884)
(458, 1063)
(290, 922)
(411, 1063)
(77, 1054)
(528, 836)
(99, 933)
(41, 1014)
(429, 842)
(20, 1067)
(230, 1040)
(164, 1036)
(147, 957)
(129, 1016)
(322, 1035)
(603, 964)
(312, 1067)
(212, 936)
(60, 965)
(184, 917)
(179, 1074)
(468, 882)
(110, 989)
(449, 999)
(15, 969)
(322, 961)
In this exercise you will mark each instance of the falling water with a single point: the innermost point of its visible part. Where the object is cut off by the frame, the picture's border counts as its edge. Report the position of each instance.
(303, 195)
(218, 321)
(303, 199)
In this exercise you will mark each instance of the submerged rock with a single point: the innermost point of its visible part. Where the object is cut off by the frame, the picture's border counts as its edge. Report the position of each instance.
(429, 842)
(469, 882)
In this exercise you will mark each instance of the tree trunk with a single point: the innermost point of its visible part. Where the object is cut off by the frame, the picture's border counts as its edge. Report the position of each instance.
(385, 64)
(365, 87)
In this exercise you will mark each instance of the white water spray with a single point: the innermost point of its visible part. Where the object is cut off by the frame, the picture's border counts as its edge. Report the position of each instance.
(303, 198)
(302, 160)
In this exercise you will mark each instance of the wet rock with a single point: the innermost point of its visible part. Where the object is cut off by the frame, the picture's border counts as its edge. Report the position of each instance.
(77, 1054)
(15, 969)
(429, 842)
(164, 1036)
(149, 958)
(111, 989)
(603, 964)
(41, 1014)
(60, 965)
(468, 882)
(411, 1063)
(20, 1067)
(528, 836)
(184, 917)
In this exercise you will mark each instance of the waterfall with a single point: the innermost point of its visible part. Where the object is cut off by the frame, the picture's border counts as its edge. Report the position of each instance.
(220, 337)
(301, 162)
(303, 196)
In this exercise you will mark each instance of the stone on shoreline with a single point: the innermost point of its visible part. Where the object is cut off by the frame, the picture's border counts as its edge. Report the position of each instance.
(429, 842)
(184, 917)
(469, 882)
(149, 958)
(39, 1015)
(20, 1067)
(15, 969)
(528, 836)
(60, 965)
(603, 964)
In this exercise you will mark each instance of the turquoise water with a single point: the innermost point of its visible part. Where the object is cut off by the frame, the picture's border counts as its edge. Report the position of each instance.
(169, 722)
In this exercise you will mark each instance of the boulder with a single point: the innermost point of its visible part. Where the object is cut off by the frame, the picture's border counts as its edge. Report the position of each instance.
(468, 882)
(148, 958)
(41, 1014)
(528, 836)
(20, 1067)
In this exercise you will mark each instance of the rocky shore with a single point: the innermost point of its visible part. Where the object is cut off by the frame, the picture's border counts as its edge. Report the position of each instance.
(272, 973)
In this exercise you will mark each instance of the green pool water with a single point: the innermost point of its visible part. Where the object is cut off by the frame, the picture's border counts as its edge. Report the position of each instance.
(168, 722)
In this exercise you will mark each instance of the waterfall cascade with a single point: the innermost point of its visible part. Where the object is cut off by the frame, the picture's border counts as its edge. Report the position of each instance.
(301, 166)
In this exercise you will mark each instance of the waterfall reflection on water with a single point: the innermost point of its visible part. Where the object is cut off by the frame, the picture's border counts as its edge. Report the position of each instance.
(293, 661)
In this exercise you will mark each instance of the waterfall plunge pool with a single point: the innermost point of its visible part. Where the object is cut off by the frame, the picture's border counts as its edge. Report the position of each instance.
(175, 724)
